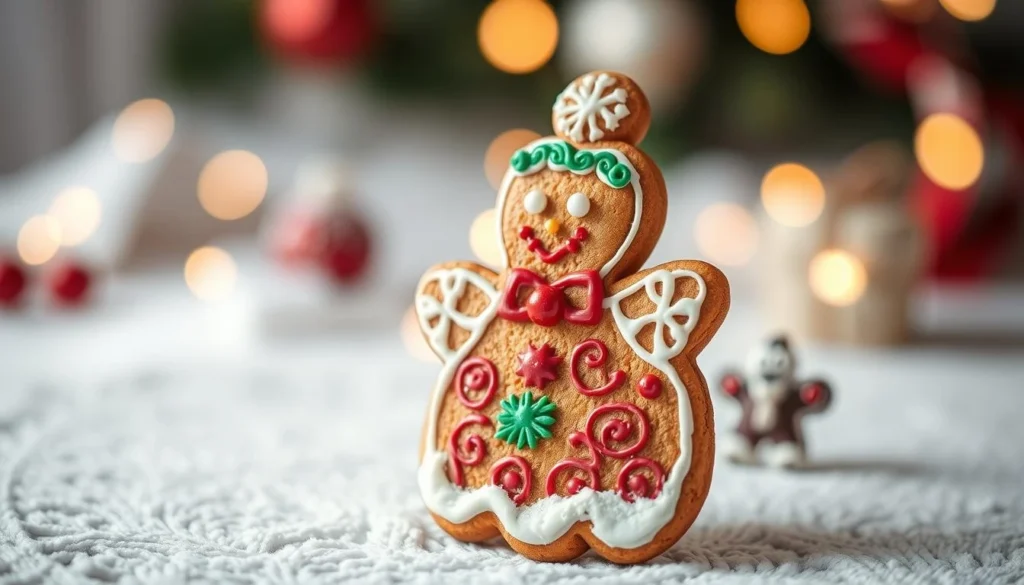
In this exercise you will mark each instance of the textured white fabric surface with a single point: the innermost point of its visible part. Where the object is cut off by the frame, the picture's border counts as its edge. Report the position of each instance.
(288, 474)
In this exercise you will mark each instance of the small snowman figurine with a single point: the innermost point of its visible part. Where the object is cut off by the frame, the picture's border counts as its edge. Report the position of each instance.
(773, 404)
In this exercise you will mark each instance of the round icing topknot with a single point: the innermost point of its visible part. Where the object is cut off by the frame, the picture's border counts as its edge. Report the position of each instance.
(601, 106)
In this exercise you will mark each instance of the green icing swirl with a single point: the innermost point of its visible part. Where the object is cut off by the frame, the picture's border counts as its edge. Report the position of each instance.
(563, 154)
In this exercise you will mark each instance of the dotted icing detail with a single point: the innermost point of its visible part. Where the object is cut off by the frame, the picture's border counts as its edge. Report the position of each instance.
(561, 155)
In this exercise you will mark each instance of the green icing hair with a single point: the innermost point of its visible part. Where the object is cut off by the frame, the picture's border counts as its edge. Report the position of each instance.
(561, 155)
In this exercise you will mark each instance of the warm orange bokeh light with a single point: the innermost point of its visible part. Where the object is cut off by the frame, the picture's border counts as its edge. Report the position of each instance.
(792, 194)
(969, 10)
(77, 210)
(232, 185)
(483, 239)
(726, 233)
(949, 151)
(837, 277)
(774, 26)
(413, 339)
(297, 20)
(501, 150)
(518, 36)
(210, 273)
(39, 239)
(142, 130)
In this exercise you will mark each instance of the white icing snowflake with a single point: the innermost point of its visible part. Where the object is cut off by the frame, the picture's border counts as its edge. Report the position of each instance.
(580, 104)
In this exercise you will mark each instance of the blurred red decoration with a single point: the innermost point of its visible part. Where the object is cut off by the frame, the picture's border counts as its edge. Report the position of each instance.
(924, 58)
(317, 31)
(12, 282)
(347, 245)
(297, 240)
(69, 283)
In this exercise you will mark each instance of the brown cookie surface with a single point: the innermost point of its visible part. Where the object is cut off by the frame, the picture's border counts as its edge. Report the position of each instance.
(569, 413)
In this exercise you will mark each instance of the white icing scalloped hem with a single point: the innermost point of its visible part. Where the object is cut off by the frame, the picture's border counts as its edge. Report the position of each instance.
(615, 521)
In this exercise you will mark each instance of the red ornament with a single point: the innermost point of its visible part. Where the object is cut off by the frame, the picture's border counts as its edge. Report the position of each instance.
(574, 485)
(511, 480)
(346, 247)
(537, 365)
(298, 239)
(69, 284)
(811, 393)
(649, 386)
(318, 31)
(545, 305)
(12, 283)
(731, 385)
(518, 488)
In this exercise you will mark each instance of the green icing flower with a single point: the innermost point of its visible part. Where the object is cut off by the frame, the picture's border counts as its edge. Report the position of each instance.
(522, 421)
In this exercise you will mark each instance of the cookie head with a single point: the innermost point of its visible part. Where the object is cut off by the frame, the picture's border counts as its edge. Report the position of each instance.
(602, 105)
(772, 361)
(569, 204)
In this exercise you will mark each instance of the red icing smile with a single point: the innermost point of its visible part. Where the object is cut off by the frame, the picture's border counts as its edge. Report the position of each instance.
(569, 246)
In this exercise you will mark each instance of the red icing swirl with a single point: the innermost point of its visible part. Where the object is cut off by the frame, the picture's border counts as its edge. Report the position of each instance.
(631, 484)
(517, 482)
(594, 353)
(467, 453)
(479, 376)
(573, 464)
(618, 430)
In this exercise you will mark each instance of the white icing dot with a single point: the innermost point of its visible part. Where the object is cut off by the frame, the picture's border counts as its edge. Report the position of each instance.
(535, 201)
(578, 205)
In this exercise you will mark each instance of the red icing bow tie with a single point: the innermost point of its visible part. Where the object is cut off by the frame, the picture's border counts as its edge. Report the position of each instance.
(546, 304)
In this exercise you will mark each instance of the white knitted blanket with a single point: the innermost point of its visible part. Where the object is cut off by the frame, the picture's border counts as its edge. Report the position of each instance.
(307, 475)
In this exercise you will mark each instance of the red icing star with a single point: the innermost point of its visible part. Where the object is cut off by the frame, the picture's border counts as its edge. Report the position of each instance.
(537, 365)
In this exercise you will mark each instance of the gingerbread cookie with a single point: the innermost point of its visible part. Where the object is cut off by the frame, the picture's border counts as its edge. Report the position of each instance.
(773, 403)
(570, 413)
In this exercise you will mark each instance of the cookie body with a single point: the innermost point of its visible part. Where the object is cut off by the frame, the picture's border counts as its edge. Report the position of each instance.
(569, 413)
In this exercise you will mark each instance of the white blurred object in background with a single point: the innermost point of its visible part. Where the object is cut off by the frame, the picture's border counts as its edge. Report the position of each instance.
(659, 43)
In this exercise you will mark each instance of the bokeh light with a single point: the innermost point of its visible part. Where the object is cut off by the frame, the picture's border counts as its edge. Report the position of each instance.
(232, 184)
(142, 130)
(726, 233)
(518, 36)
(210, 273)
(949, 151)
(77, 210)
(39, 239)
(501, 150)
(483, 239)
(774, 26)
(969, 10)
(413, 339)
(297, 20)
(792, 194)
(837, 277)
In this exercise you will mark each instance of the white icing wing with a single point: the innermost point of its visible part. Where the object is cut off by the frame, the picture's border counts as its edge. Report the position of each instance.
(664, 317)
(452, 283)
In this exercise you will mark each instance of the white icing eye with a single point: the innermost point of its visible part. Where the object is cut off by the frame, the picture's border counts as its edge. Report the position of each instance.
(578, 205)
(535, 201)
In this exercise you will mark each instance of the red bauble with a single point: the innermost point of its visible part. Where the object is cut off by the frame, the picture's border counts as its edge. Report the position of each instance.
(297, 240)
(346, 247)
(12, 283)
(538, 365)
(811, 393)
(69, 284)
(317, 31)
(545, 305)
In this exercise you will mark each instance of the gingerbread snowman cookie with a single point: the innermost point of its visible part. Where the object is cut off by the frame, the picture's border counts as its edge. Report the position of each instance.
(569, 413)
